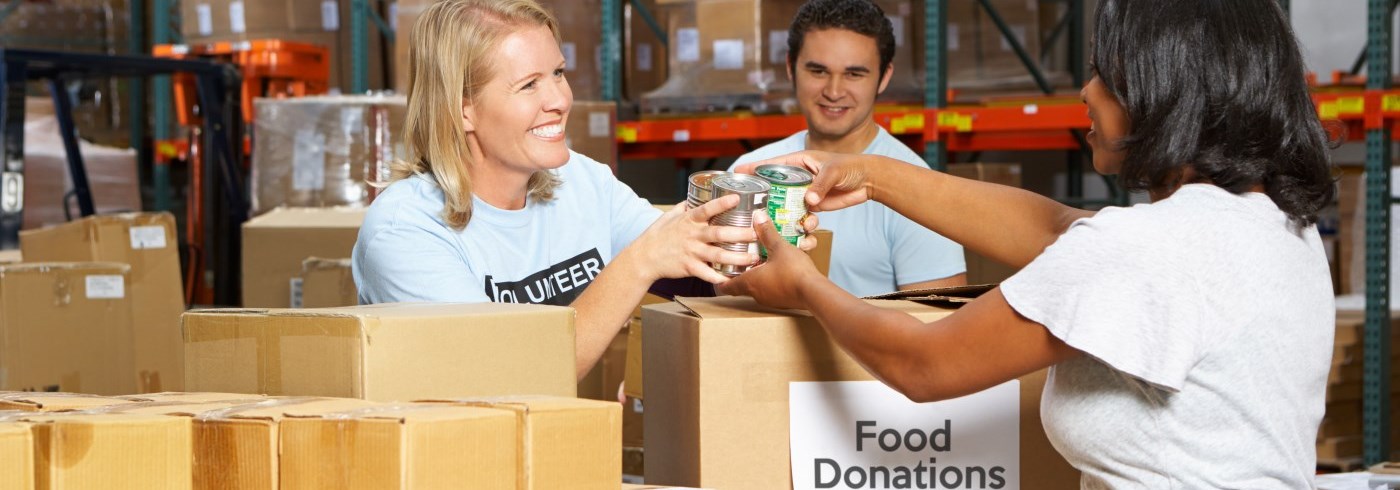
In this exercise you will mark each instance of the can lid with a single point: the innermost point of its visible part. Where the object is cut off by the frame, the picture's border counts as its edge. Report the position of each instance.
(740, 184)
(784, 174)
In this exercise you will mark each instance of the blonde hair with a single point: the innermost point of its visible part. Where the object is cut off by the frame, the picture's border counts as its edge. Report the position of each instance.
(449, 63)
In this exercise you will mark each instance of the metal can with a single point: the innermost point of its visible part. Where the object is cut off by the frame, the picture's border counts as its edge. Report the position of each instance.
(787, 201)
(753, 196)
(700, 190)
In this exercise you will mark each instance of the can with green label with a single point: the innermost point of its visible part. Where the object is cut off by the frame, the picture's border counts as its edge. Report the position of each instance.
(787, 201)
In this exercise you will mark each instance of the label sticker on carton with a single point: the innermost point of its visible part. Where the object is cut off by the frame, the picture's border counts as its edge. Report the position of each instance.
(295, 299)
(862, 434)
(729, 54)
(897, 24)
(11, 192)
(236, 23)
(570, 56)
(147, 237)
(599, 124)
(330, 15)
(105, 287)
(953, 38)
(205, 19)
(688, 45)
(777, 47)
(643, 57)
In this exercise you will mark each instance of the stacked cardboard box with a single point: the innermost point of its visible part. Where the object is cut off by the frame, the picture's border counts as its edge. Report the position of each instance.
(325, 23)
(717, 380)
(147, 243)
(112, 173)
(275, 245)
(326, 283)
(589, 131)
(68, 327)
(383, 352)
(1340, 435)
(644, 55)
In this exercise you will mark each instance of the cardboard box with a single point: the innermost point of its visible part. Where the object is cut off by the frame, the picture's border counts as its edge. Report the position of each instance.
(644, 55)
(148, 243)
(67, 328)
(589, 131)
(400, 447)
(326, 283)
(56, 402)
(717, 393)
(275, 244)
(240, 447)
(581, 30)
(821, 257)
(743, 44)
(603, 381)
(564, 442)
(16, 456)
(390, 352)
(406, 13)
(11, 257)
(111, 451)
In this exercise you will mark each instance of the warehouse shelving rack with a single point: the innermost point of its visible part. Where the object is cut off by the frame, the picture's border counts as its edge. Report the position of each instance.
(1052, 123)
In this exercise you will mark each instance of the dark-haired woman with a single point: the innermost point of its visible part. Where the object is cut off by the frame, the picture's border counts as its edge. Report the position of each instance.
(1190, 338)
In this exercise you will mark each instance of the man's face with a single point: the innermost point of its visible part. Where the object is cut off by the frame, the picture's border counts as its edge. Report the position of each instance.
(837, 77)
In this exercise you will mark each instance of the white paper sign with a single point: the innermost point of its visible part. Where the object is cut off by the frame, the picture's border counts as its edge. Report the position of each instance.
(643, 57)
(729, 54)
(205, 18)
(953, 38)
(862, 434)
(147, 237)
(330, 15)
(688, 45)
(105, 287)
(236, 23)
(570, 56)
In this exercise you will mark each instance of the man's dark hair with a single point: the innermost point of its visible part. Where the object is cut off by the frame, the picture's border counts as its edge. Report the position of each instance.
(1219, 86)
(859, 16)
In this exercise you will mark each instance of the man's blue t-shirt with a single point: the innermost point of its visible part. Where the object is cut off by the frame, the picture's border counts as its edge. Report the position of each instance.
(874, 250)
(546, 253)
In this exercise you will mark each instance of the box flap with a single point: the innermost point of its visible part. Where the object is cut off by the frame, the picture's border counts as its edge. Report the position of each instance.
(733, 307)
(971, 291)
(339, 217)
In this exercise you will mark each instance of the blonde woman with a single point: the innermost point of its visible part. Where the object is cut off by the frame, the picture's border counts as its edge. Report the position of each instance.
(492, 206)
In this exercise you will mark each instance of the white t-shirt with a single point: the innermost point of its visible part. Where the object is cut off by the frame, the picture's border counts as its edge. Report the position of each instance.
(545, 253)
(1207, 320)
(874, 250)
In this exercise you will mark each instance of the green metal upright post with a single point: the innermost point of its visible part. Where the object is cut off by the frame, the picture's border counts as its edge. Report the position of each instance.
(136, 45)
(359, 46)
(1074, 174)
(162, 102)
(612, 50)
(1375, 404)
(935, 75)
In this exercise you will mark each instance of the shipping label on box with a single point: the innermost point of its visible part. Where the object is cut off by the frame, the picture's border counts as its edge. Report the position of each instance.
(862, 434)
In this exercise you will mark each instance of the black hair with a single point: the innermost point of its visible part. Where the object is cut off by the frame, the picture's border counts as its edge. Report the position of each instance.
(862, 17)
(1219, 86)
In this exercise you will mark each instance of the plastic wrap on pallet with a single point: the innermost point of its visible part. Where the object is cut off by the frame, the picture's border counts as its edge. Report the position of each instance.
(324, 151)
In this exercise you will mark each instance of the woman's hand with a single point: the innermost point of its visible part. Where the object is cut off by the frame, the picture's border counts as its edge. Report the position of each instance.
(839, 180)
(681, 243)
(777, 282)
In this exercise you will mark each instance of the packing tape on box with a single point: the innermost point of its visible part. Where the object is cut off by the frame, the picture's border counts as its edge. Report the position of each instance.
(22, 397)
(142, 405)
(232, 412)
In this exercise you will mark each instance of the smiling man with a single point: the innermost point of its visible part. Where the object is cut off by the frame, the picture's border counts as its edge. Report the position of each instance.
(840, 57)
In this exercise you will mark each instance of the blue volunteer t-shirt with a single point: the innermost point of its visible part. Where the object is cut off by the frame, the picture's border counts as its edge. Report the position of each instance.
(874, 250)
(546, 253)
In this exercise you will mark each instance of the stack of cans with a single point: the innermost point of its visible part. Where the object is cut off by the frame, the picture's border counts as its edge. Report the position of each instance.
(779, 189)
